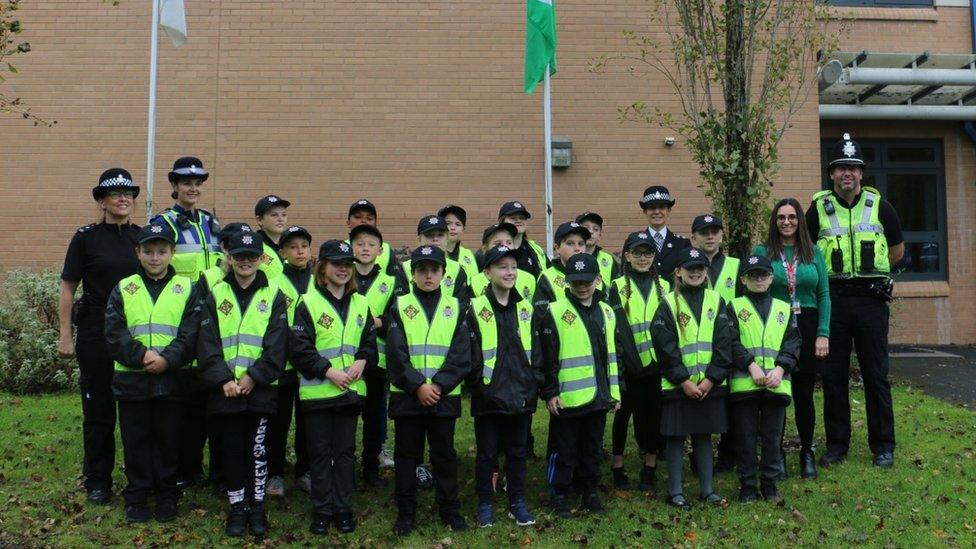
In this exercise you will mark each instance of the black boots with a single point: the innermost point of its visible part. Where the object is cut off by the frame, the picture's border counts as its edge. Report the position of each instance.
(620, 480)
(648, 477)
(808, 464)
(237, 520)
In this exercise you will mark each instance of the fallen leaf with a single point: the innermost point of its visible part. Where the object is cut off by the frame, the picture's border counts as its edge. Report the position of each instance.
(880, 525)
(200, 512)
(691, 536)
(581, 539)
(799, 517)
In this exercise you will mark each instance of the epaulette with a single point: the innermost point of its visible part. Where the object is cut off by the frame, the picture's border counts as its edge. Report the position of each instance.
(87, 228)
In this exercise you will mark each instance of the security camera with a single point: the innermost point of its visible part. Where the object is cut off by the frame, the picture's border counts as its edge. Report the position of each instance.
(669, 141)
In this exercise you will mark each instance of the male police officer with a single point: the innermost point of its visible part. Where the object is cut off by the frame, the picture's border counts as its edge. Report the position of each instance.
(656, 204)
(860, 236)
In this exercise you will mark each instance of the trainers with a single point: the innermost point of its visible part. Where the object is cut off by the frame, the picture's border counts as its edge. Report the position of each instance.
(137, 513)
(386, 458)
(276, 487)
(320, 524)
(620, 480)
(591, 502)
(485, 515)
(237, 520)
(425, 479)
(454, 522)
(345, 523)
(520, 513)
(304, 483)
(560, 507)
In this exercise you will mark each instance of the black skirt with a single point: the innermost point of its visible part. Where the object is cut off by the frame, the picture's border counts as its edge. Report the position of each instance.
(683, 416)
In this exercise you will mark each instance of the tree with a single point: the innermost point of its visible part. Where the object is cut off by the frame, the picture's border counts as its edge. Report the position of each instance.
(9, 47)
(740, 70)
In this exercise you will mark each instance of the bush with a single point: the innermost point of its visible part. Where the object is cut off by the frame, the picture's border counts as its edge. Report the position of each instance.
(29, 361)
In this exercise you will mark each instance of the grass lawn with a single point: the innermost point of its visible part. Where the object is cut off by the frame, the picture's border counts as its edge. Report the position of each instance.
(927, 499)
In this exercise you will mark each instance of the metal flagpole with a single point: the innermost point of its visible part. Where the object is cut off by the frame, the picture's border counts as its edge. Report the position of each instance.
(151, 141)
(547, 116)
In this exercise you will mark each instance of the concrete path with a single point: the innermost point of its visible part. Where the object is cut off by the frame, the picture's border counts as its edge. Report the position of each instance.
(947, 372)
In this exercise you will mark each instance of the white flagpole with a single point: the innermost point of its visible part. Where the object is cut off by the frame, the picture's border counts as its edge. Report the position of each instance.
(547, 116)
(151, 141)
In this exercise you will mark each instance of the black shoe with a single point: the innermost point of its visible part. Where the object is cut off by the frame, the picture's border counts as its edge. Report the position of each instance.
(403, 526)
(591, 502)
(372, 479)
(782, 474)
(136, 513)
(771, 494)
(560, 507)
(454, 522)
(648, 477)
(808, 465)
(884, 460)
(237, 520)
(679, 501)
(831, 458)
(166, 511)
(620, 480)
(257, 520)
(99, 496)
(748, 494)
(344, 523)
(320, 524)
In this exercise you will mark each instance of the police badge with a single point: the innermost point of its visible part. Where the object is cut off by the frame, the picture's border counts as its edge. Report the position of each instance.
(568, 317)
(525, 315)
(561, 281)
(263, 306)
(683, 320)
(225, 307)
(729, 283)
(448, 312)
(325, 321)
(132, 288)
(411, 312)
(360, 321)
(178, 289)
(710, 314)
(780, 318)
(485, 314)
(448, 282)
(384, 288)
(744, 315)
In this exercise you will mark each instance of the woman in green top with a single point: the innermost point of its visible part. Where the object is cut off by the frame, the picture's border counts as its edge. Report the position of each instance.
(800, 278)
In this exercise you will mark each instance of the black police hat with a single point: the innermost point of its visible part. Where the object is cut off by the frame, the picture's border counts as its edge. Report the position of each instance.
(188, 166)
(703, 222)
(590, 216)
(367, 229)
(656, 194)
(640, 238)
(691, 257)
(512, 208)
(427, 253)
(582, 267)
(494, 228)
(431, 223)
(335, 250)
(268, 202)
(156, 231)
(245, 243)
(498, 252)
(755, 263)
(114, 179)
(458, 212)
(292, 232)
(846, 152)
(231, 229)
(571, 227)
(361, 204)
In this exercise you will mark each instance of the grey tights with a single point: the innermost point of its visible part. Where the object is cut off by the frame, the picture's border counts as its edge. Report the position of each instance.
(675, 450)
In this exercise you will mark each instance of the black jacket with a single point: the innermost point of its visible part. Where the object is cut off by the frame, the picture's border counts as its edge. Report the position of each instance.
(628, 359)
(462, 286)
(544, 292)
(665, 260)
(306, 360)
(515, 381)
(404, 376)
(595, 322)
(137, 384)
(665, 334)
(214, 372)
(789, 351)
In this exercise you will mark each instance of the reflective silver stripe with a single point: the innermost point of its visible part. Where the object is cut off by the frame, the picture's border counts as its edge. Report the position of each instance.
(487, 372)
(188, 248)
(614, 381)
(697, 369)
(228, 341)
(429, 350)
(489, 354)
(569, 386)
(645, 346)
(835, 228)
(701, 346)
(576, 361)
(241, 362)
(763, 352)
(335, 352)
(310, 382)
(247, 339)
(640, 327)
(428, 372)
(832, 232)
(528, 356)
(868, 228)
(153, 329)
(381, 346)
(870, 199)
(738, 374)
(612, 357)
(215, 247)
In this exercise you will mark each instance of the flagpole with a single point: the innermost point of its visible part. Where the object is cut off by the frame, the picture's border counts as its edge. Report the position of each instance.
(547, 118)
(151, 140)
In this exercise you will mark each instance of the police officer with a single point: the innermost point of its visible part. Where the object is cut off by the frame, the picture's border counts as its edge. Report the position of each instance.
(656, 204)
(860, 236)
(197, 230)
(99, 255)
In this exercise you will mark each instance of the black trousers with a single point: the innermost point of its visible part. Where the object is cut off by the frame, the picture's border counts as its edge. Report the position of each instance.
(408, 449)
(150, 443)
(758, 420)
(496, 433)
(244, 454)
(860, 322)
(278, 429)
(95, 369)
(577, 447)
(332, 457)
(803, 380)
(374, 421)
(725, 450)
(642, 400)
(194, 432)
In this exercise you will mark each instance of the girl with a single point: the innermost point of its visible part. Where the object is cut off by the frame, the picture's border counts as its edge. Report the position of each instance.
(693, 345)
(533, 257)
(501, 234)
(271, 213)
(570, 239)
(333, 341)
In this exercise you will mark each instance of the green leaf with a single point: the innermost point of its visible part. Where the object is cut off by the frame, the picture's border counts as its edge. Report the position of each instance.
(11, 68)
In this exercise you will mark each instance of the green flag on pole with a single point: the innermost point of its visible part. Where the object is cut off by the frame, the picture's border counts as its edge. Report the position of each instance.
(540, 41)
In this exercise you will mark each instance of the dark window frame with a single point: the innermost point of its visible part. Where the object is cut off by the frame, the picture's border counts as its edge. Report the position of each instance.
(882, 3)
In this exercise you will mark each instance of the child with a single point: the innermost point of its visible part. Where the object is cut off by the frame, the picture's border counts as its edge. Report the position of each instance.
(609, 270)
(533, 257)
(692, 341)
(271, 213)
(570, 239)
(363, 212)
(215, 274)
(294, 248)
(432, 231)
(428, 354)
(456, 219)
(635, 297)
(504, 381)
(242, 348)
(579, 353)
(332, 342)
(766, 346)
(150, 329)
(500, 234)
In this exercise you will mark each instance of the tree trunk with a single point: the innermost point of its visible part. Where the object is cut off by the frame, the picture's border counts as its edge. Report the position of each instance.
(737, 108)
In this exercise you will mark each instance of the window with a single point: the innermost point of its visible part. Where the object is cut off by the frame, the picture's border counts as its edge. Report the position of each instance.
(910, 174)
(883, 3)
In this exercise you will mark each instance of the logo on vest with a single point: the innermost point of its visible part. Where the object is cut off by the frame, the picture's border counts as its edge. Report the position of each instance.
(360, 321)
(266, 259)
(710, 314)
(568, 317)
(561, 281)
(729, 283)
(525, 315)
(780, 318)
(605, 262)
(288, 302)
(625, 292)
(384, 288)
(466, 259)
(683, 320)
(263, 306)
(448, 282)
(225, 307)
(526, 291)
(448, 312)
(131, 288)
(178, 289)
(744, 315)
(411, 312)
(485, 314)
(325, 321)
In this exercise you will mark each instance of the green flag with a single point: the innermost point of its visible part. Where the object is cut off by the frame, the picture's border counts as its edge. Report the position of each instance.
(540, 41)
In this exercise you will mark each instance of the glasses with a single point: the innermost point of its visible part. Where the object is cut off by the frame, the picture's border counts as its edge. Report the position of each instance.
(644, 253)
(788, 217)
(759, 275)
(122, 194)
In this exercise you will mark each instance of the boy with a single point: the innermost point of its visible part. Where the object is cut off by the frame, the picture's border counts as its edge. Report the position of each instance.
(570, 239)
(609, 269)
(363, 212)
(533, 257)
(456, 219)
(271, 213)
(432, 231)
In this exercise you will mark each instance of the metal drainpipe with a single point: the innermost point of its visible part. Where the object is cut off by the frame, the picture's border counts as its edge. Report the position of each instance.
(968, 126)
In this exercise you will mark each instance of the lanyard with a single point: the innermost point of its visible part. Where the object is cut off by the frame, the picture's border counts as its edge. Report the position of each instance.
(790, 268)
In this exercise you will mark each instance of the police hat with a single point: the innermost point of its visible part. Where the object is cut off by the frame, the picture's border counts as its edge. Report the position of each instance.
(458, 212)
(269, 202)
(569, 228)
(590, 216)
(231, 229)
(691, 257)
(640, 238)
(846, 152)
(431, 223)
(292, 232)
(512, 208)
(582, 267)
(188, 166)
(245, 243)
(656, 194)
(156, 231)
(335, 250)
(427, 253)
(703, 222)
(114, 179)
(498, 252)
(367, 229)
(755, 263)
(494, 228)
(361, 204)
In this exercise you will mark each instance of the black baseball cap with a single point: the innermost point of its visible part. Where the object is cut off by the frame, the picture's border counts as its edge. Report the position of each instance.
(640, 238)
(492, 229)
(368, 229)
(656, 194)
(156, 231)
(427, 253)
(292, 232)
(703, 222)
(245, 243)
(582, 267)
(431, 223)
(188, 166)
(755, 263)
(590, 216)
(269, 202)
(231, 229)
(113, 179)
(512, 208)
(361, 204)
(569, 228)
(692, 257)
(458, 212)
(498, 252)
(335, 250)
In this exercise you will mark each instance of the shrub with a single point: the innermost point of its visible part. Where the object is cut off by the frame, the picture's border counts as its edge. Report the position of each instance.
(29, 361)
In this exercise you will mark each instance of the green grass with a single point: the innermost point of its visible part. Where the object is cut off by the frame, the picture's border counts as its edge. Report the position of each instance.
(927, 499)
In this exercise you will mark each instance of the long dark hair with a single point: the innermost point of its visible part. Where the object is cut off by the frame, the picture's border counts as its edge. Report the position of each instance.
(625, 267)
(774, 242)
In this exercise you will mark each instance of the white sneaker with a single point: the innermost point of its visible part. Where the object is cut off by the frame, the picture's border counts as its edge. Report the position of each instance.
(275, 488)
(386, 458)
(304, 483)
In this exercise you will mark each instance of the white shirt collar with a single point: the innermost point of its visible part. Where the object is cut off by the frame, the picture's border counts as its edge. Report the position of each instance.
(653, 233)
